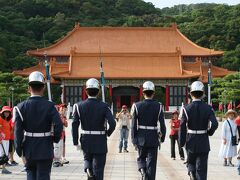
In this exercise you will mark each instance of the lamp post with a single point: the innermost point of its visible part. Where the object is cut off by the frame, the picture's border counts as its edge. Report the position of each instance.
(12, 90)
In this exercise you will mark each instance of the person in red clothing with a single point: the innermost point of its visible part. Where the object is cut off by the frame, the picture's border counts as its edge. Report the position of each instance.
(11, 144)
(174, 125)
(58, 147)
(62, 111)
(5, 133)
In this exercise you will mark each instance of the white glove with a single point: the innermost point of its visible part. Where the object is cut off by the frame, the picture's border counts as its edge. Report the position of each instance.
(78, 147)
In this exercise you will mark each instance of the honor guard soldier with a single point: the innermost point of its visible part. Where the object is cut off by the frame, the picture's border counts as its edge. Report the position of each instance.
(34, 120)
(197, 123)
(93, 115)
(145, 135)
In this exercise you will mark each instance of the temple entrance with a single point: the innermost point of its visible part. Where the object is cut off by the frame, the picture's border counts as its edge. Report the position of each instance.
(126, 100)
(124, 95)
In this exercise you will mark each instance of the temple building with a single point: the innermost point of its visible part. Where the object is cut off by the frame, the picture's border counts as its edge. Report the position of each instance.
(130, 56)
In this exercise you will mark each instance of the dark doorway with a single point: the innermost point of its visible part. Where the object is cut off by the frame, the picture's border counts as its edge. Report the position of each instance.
(126, 100)
(124, 95)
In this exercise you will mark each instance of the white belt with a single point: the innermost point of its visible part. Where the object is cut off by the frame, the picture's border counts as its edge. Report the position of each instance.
(93, 132)
(37, 134)
(196, 131)
(147, 127)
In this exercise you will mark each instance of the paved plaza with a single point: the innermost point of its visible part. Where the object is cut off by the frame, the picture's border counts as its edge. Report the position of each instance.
(122, 166)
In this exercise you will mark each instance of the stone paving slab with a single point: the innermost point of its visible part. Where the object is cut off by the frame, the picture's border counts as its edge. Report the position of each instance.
(123, 166)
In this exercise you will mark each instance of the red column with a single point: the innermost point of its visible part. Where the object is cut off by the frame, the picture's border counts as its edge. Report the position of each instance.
(140, 92)
(167, 98)
(84, 95)
(110, 91)
(118, 101)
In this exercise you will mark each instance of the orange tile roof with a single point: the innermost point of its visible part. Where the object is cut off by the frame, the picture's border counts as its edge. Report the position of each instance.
(124, 40)
(167, 66)
(25, 72)
(39, 67)
(127, 66)
(203, 70)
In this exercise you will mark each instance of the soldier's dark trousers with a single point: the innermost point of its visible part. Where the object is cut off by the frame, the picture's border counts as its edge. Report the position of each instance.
(198, 164)
(95, 162)
(38, 169)
(147, 160)
(174, 139)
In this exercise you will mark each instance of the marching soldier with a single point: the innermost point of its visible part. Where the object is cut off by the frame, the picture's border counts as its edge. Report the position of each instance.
(195, 127)
(34, 119)
(93, 115)
(145, 136)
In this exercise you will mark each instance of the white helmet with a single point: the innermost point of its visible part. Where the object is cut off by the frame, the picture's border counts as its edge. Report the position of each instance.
(197, 86)
(148, 86)
(36, 77)
(92, 83)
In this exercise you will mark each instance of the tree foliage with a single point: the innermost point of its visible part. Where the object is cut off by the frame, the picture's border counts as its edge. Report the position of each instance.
(12, 88)
(31, 24)
(227, 89)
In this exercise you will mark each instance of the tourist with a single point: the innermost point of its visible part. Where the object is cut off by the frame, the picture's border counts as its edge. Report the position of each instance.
(123, 118)
(65, 125)
(145, 136)
(11, 144)
(93, 115)
(58, 147)
(194, 132)
(174, 126)
(229, 129)
(5, 133)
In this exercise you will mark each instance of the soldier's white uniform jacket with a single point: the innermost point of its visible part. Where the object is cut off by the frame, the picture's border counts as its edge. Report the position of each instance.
(34, 119)
(197, 118)
(145, 118)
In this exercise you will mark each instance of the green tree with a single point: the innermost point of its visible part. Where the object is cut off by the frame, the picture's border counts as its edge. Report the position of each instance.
(226, 89)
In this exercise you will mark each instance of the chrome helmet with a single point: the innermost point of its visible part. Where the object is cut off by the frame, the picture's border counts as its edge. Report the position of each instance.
(197, 86)
(92, 83)
(148, 86)
(36, 77)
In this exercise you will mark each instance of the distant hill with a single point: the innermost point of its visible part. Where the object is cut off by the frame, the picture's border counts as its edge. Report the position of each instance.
(31, 24)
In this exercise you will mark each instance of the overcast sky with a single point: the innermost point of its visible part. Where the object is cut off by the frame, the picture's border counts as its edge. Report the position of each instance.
(170, 3)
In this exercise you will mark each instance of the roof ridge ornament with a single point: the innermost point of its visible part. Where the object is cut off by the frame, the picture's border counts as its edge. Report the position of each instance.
(77, 25)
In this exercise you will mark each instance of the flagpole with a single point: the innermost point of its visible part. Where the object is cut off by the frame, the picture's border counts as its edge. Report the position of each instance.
(48, 77)
(209, 82)
(102, 82)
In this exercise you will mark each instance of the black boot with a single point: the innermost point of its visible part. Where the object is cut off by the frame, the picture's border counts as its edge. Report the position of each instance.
(90, 174)
(192, 175)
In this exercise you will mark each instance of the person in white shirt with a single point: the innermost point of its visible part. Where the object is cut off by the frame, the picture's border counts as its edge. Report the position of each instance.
(229, 129)
(123, 118)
